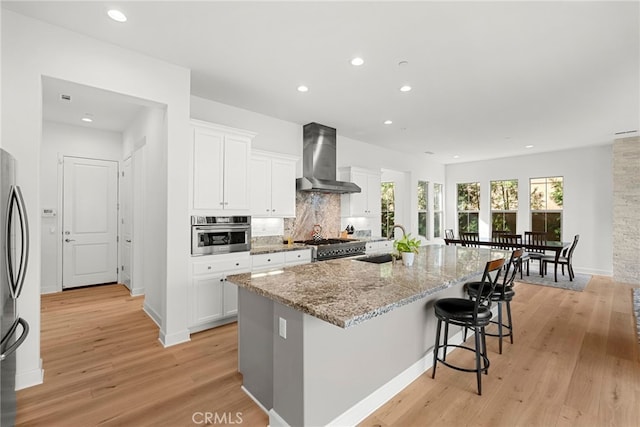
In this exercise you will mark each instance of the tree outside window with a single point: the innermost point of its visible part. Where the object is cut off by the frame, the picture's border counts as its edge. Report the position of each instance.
(468, 207)
(388, 208)
(504, 205)
(438, 207)
(547, 197)
(423, 212)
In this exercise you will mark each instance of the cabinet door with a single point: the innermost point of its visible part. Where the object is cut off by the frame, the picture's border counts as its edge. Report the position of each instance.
(283, 188)
(359, 204)
(260, 187)
(208, 153)
(230, 306)
(373, 195)
(236, 173)
(207, 298)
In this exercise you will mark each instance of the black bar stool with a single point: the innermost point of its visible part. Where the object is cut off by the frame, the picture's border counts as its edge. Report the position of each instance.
(473, 314)
(503, 293)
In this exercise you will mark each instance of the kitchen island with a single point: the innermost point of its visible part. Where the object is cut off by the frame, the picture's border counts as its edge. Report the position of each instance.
(329, 342)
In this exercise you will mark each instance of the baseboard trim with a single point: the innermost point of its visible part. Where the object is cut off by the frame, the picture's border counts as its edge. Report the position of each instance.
(152, 314)
(30, 378)
(375, 400)
(176, 338)
(256, 401)
(275, 420)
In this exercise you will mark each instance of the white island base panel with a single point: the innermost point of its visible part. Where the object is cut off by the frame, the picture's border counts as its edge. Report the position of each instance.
(322, 374)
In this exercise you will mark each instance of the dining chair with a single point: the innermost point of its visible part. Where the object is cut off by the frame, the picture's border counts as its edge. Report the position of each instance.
(564, 259)
(511, 242)
(469, 239)
(448, 233)
(534, 238)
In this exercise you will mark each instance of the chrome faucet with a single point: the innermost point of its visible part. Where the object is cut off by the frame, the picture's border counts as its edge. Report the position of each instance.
(404, 232)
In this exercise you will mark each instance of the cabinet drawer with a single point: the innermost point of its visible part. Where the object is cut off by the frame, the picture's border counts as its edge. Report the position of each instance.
(297, 257)
(214, 264)
(262, 261)
(380, 246)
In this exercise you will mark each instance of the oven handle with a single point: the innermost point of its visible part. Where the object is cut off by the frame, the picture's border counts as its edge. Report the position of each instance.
(221, 229)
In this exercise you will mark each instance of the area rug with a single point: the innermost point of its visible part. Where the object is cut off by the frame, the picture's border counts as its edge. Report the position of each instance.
(578, 284)
(636, 309)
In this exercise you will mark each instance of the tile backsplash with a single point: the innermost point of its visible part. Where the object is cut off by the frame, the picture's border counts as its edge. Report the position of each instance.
(314, 208)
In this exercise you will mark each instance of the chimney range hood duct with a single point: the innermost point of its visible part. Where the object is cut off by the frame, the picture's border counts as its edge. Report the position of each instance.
(319, 162)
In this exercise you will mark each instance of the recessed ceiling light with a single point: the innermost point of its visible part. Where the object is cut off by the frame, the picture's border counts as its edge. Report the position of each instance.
(388, 122)
(456, 157)
(117, 16)
(303, 88)
(405, 88)
(528, 146)
(357, 62)
(87, 119)
(403, 63)
(428, 152)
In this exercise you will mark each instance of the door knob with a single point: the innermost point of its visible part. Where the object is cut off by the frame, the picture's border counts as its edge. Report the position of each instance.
(69, 240)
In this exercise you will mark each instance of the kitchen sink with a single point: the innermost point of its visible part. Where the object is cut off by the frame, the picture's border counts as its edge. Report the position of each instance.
(377, 259)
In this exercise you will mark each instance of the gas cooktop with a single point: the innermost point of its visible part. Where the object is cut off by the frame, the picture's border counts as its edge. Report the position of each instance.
(325, 249)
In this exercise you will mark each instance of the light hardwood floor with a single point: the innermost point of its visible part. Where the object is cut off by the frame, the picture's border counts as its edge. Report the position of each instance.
(575, 362)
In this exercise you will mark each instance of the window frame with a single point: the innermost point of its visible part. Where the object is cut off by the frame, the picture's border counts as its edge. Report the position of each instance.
(438, 198)
(551, 235)
(503, 212)
(468, 213)
(424, 211)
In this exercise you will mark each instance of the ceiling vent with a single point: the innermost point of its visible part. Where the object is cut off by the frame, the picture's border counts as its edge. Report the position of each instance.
(65, 97)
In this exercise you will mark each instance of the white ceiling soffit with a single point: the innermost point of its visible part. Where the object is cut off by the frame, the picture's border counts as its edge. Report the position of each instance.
(488, 78)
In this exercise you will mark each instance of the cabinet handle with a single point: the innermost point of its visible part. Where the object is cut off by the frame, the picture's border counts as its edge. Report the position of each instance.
(226, 203)
(273, 210)
(222, 280)
(237, 263)
(222, 203)
(268, 259)
(209, 267)
(267, 210)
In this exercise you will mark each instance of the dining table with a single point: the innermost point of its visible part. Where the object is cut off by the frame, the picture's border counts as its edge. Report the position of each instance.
(548, 246)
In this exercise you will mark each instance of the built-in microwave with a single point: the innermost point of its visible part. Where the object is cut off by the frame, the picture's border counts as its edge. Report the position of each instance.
(220, 234)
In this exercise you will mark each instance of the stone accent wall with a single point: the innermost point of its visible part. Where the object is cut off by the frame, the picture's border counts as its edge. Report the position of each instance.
(626, 210)
(314, 208)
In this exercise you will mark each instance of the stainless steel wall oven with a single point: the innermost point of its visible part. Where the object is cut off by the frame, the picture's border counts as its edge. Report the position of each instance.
(220, 234)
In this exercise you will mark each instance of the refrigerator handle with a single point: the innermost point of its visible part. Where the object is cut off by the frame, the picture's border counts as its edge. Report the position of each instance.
(16, 279)
(24, 246)
(6, 352)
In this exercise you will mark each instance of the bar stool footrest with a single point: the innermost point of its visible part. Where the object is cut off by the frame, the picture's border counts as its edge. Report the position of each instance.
(485, 361)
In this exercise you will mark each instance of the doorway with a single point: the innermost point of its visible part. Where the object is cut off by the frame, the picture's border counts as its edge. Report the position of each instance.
(90, 222)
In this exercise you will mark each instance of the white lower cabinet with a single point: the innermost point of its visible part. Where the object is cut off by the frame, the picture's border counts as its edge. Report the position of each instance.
(213, 300)
(275, 260)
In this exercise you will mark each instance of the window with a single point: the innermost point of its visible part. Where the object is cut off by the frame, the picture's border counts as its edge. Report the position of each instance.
(504, 205)
(438, 223)
(546, 206)
(388, 208)
(423, 212)
(468, 207)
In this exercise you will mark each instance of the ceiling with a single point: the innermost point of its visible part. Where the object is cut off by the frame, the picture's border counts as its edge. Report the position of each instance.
(487, 78)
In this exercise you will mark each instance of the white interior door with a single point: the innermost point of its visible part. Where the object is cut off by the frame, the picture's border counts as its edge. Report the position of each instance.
(90, 222)
(126, 221)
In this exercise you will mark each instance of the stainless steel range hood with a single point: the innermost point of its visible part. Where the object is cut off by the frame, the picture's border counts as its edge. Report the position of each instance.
(319, 162)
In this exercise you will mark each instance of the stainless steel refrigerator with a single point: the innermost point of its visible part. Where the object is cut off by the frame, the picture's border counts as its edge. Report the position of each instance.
(14, 255)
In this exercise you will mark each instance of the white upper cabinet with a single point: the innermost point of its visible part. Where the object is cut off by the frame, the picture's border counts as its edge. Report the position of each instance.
(221, 158)
(273, 185)
(367, 202)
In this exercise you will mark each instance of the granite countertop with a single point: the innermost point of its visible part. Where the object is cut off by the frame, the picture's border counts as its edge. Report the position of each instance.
(272, 248)
(346, 292)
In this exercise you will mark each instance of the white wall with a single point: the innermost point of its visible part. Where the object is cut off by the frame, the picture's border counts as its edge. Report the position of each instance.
(60, 140)
(588, 198)
(148, 130)
(32, 49)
